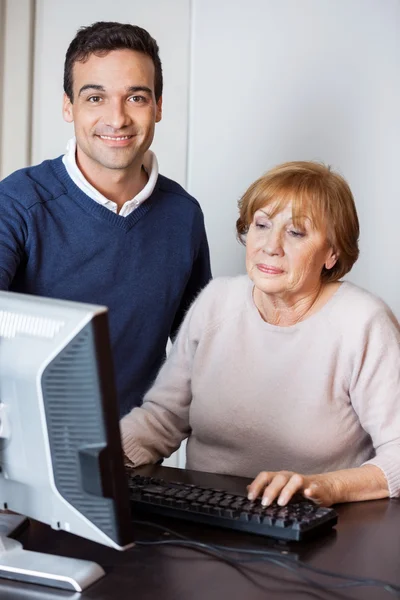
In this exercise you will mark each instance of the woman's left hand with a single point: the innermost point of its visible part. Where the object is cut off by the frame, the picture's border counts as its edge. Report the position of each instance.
(281, 485)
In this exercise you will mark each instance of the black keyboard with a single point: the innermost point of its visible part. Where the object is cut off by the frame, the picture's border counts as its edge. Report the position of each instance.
(299, 520)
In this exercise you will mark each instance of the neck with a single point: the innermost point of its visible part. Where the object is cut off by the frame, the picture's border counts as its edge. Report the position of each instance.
(288, 309)
(118, 185)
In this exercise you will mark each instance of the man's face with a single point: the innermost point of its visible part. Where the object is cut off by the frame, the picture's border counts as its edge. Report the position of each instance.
(114, 110)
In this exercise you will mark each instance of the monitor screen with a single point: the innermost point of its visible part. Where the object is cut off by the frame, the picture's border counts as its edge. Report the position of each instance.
(60, 451)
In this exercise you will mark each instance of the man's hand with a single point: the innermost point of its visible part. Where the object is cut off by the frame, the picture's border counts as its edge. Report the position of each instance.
(281, 485)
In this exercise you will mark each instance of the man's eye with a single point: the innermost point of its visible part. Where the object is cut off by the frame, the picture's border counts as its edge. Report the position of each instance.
(94, 99)
(137, 99)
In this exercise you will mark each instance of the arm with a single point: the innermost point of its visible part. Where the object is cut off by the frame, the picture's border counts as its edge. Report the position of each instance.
(199, 277)
(375, 395)
(13, 233)
(158, 427)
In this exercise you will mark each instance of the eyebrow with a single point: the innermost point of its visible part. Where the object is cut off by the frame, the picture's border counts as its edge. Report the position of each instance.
(304, 217)
(101, 88)
(91, 86)
(139, 88)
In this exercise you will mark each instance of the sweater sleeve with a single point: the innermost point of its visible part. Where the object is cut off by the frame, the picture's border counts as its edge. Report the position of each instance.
(199, 276)
(375, 393)
(13, 233)
(157, 428)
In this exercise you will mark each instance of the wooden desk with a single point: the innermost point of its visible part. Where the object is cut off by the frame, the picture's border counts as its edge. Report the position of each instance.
(366, 543)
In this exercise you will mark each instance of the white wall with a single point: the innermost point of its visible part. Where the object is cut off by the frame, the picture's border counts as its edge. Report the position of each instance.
(16, 43)
(278, 80)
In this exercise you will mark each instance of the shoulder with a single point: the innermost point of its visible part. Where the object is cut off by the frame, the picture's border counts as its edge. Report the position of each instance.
(356, 308)
(170, 187)
(221, 300)
(232, 288)
(32, 185)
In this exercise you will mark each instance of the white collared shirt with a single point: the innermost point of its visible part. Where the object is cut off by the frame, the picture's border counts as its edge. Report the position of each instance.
(150, 164)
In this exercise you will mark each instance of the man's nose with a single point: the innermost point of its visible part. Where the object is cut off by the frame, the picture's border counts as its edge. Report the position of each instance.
(117, 115)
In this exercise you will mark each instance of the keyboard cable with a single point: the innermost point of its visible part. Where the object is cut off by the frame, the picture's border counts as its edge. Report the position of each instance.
(277, 558)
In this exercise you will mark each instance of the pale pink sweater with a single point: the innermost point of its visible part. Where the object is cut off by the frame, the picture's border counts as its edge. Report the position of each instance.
(321, 395)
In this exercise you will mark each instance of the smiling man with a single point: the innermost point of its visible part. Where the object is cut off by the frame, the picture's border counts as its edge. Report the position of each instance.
(100, 224)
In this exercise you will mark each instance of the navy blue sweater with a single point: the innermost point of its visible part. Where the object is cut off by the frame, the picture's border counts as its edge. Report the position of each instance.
(147, 267)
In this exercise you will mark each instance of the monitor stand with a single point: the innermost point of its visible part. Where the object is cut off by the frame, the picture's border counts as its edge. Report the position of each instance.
(46, 569)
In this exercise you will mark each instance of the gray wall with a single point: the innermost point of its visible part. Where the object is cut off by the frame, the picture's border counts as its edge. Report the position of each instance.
(16, 69)
(278, 80)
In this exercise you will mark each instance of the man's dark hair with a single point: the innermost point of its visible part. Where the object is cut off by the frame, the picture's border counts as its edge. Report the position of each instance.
(103, 37)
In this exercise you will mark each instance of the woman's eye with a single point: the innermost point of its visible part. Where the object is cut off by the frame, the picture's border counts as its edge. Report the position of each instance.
(262, 224)
(297, 234)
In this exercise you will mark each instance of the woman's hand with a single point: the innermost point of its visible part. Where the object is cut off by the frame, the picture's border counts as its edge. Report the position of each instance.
(347, 485)
(281, 485)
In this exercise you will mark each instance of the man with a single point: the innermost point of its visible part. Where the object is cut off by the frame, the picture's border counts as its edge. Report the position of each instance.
(100, 224)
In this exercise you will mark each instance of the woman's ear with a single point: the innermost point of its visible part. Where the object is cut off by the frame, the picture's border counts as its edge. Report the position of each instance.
(331, 259)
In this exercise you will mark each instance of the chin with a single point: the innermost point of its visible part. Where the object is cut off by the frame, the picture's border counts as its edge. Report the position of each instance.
(269, 286)
(118, 166)
(271, 289)
(116, 163)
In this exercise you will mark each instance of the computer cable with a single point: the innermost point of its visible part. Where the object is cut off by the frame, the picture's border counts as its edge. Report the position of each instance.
(276, 557)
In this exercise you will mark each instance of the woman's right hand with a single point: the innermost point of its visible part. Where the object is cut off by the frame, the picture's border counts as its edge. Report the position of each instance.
(282, 485)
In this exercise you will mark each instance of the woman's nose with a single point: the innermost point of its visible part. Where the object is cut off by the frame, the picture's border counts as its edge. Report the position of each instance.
(273, 244)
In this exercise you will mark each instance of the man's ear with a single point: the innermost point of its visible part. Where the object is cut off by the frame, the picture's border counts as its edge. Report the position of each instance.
(331, 259)
(68, 112)
(159, 110)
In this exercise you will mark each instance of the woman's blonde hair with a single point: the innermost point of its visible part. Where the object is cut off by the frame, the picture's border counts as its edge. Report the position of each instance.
(316, 192)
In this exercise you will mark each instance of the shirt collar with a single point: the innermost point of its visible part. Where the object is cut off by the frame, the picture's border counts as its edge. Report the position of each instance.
(150, 164)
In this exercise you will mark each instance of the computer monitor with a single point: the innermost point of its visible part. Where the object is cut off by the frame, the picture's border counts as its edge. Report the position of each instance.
(61, 459)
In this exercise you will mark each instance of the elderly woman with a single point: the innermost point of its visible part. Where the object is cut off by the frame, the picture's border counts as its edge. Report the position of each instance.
(288, 372)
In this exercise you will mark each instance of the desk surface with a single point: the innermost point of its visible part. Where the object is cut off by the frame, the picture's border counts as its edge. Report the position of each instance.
(366, 544)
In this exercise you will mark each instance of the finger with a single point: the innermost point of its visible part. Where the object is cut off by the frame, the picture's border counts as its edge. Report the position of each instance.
(295, 483)
(273, 490)
(314, 492)
(257, 486)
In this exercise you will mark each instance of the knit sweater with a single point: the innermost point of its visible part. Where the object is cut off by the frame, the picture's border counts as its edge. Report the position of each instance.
(147, 267)
(317, 396)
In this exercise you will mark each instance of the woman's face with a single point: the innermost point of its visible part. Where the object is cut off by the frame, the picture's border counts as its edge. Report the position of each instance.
(282, 259)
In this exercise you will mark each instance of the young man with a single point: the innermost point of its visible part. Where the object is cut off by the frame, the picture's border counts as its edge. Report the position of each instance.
(100, 224)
